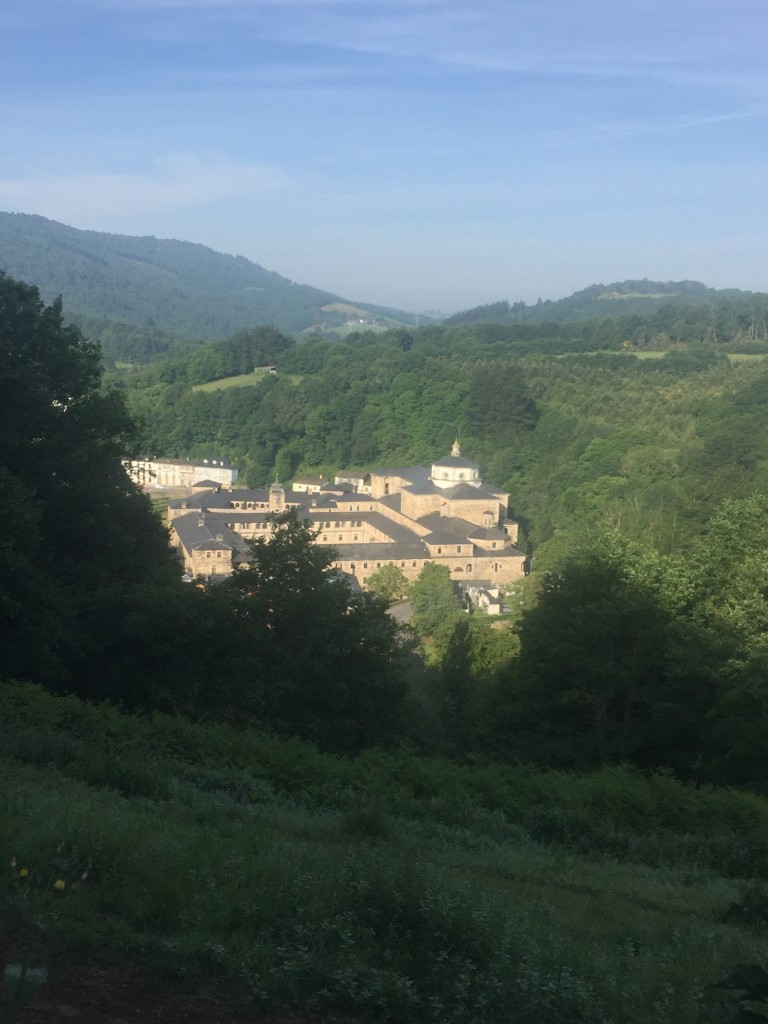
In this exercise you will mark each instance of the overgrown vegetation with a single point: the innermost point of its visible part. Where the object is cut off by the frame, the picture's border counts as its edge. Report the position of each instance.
(390, 886)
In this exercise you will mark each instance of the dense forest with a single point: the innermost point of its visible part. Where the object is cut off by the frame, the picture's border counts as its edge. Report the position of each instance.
(142, 298)
(622, 298)
(366, 808)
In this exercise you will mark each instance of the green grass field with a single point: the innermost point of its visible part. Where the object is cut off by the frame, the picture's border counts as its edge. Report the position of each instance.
(733, 357)
(392, 887)
(243, 380)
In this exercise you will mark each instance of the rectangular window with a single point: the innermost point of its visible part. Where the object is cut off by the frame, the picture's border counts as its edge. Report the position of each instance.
(439, 551)
(365, 565)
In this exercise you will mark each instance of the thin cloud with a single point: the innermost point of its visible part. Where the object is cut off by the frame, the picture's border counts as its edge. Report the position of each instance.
(174, 182)
(631, 129)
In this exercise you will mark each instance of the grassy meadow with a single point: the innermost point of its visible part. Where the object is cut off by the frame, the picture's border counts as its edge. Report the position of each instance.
(390, 886)
(241, 380)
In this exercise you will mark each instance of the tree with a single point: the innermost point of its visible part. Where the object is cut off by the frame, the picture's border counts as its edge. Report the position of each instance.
(389, 582)
(90, 534)
(612, 667)
(434, 601)
(311, 659)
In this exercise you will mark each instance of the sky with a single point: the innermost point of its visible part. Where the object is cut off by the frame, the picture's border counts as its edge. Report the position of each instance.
(420, 154)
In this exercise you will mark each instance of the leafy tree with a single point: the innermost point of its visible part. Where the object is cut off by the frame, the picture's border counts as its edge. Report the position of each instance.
(738, 727)
(62, 440)
(611, 668)
(311, 659)
(389, 582)
(433, 599)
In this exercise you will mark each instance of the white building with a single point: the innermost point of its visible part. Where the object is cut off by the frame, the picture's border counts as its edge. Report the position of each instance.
(160, 473)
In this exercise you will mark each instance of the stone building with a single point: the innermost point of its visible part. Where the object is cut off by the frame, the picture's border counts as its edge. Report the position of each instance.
(178, 473)
(413, 515)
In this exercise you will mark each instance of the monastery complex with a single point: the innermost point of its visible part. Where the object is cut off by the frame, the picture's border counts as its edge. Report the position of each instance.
(405, 516)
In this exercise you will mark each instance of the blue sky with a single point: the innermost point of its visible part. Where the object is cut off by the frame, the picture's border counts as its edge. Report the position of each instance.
(426, 154)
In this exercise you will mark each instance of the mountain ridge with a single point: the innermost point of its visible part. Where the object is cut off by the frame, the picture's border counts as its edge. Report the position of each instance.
(142, 296)
(630, 297)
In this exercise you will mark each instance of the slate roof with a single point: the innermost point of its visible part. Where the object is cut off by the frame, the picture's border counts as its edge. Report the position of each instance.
(416, 474)
(206, 499)
(393, 501)
(466, 492)
(201, 533)
(458, 492)
(455, 462)
(217, 498)
(488, 533)
(381, 552)
(398, 533)
(446, 529)
(359, 498)
(340, 488)
(249, 494)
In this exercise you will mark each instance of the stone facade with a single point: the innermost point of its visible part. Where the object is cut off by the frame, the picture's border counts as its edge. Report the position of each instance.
(413, 515)
(178, 473)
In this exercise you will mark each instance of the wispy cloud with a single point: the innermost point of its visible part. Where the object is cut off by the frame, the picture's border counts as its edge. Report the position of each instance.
(174, 182)
(658, 126)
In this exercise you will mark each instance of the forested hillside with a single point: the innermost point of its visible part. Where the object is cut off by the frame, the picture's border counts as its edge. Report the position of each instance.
(576, 420)
(622, 298)
(141, 298)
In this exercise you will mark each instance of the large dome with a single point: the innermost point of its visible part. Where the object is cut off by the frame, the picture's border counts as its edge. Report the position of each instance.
(455, 469)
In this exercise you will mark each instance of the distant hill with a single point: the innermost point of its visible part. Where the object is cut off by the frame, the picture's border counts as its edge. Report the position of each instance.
(618, 299)
(143, 297)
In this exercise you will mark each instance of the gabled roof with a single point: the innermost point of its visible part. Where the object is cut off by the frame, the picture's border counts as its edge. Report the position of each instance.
(198, 532)
(446, 529)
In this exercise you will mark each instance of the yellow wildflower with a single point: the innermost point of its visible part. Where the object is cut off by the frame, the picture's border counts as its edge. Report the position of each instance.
(23, 873)
(59, 884)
